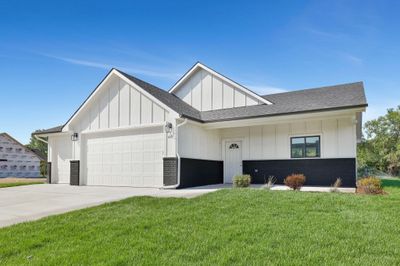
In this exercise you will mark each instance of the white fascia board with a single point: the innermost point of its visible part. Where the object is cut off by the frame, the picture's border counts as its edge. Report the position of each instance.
(279, 119)
(213, 72)
(107, 78)
(45, 135)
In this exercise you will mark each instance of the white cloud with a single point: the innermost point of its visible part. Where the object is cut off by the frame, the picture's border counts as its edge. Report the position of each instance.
(321, 33)
(263, 90)
(352, 58)
(129, 69)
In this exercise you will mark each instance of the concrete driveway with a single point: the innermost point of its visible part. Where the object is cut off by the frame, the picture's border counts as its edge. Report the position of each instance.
(26, 203)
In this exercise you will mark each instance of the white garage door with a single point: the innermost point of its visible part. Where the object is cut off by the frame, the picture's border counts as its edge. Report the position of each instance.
(134, 159)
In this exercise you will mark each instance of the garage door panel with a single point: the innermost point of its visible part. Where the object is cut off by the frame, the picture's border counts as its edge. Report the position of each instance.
(128, 160)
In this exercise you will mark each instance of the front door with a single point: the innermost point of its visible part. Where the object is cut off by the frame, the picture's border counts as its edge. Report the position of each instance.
(233, 160)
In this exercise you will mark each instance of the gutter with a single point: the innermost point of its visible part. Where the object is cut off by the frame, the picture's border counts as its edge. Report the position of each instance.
(39, 139)
(178, 183)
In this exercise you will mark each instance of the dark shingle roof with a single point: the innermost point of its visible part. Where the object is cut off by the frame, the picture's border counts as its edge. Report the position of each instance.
(310, 100)
(169, 99)
(49, 130)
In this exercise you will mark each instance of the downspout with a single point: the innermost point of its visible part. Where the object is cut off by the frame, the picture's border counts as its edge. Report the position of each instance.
(178, 183)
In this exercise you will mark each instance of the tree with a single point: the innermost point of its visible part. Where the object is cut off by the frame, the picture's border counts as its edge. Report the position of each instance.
(381, 149)
(40, 146)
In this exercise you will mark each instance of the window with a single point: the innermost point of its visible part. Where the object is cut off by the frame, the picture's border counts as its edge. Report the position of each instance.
(234, 146)
(305, 147)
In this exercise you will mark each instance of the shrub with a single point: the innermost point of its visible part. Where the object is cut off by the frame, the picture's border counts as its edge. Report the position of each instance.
(43, 168)
(241, 181)
(295, 181)
(335, 187)
(369, 185)
(270, 182)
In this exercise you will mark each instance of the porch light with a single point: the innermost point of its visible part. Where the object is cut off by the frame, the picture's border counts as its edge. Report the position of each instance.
(168, 127)
(74, 137)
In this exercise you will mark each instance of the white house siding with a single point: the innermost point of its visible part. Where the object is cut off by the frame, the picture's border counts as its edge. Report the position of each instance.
(16, 160)
(118, 105)
(60, 155)
(198, 143)
(205, 92)
(338, 138)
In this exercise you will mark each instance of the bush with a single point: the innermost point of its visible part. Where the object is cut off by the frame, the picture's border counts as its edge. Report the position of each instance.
(369, 185)
(295, 181)
(335, 187)
(270, 182)
(43, 168)
(241, 181)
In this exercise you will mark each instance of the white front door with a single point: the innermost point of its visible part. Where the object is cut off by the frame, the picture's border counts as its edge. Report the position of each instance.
(233, 160)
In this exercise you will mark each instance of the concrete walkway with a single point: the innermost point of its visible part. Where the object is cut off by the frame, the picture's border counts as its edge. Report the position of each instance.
(282, 187)
(32, 202)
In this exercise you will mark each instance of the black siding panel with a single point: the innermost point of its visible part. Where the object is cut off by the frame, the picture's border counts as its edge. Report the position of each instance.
(170, 171)
(74, 173)
(318, 172)
(195, 172)
(49, 172)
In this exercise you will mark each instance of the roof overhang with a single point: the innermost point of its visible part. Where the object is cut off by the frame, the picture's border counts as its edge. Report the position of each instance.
(285, 118)
(199, 65)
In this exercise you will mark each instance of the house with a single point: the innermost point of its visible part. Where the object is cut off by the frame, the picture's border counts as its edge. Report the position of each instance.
(205, 130)
(16, 160)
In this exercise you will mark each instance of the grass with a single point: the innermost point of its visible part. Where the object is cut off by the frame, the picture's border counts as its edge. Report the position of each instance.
(15, 184)
(237, 226)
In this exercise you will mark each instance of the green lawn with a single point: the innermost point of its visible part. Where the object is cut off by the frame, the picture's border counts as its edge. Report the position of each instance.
(15, 184)
(238, 226)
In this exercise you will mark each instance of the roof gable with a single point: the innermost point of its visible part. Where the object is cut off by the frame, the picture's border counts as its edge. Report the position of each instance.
(16, 142)
(205, 89)
(149, 91)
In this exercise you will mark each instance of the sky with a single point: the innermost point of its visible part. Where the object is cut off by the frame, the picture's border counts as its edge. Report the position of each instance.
(54, 53)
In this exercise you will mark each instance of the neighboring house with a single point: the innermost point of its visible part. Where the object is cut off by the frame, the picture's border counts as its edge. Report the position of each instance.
(16, 160)
(206, 130)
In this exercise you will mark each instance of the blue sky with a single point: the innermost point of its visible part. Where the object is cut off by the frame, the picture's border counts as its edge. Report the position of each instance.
(53, 54)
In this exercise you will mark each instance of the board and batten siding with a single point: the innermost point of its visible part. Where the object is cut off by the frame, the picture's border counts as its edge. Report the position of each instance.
(205, 92)
(198, 143)
(60, 153)
(119, 105)
(338, 139)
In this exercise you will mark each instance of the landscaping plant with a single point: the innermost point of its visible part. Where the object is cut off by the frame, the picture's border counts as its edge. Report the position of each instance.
(270, 182)
(241, 181)
(369, 185)
(335, 187)
(295, 181)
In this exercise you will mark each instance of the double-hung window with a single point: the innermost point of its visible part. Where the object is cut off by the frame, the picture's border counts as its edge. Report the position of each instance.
(305, 147)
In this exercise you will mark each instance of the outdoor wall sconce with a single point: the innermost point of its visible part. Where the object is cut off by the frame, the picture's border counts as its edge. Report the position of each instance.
(168, 127)
(74, 137)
